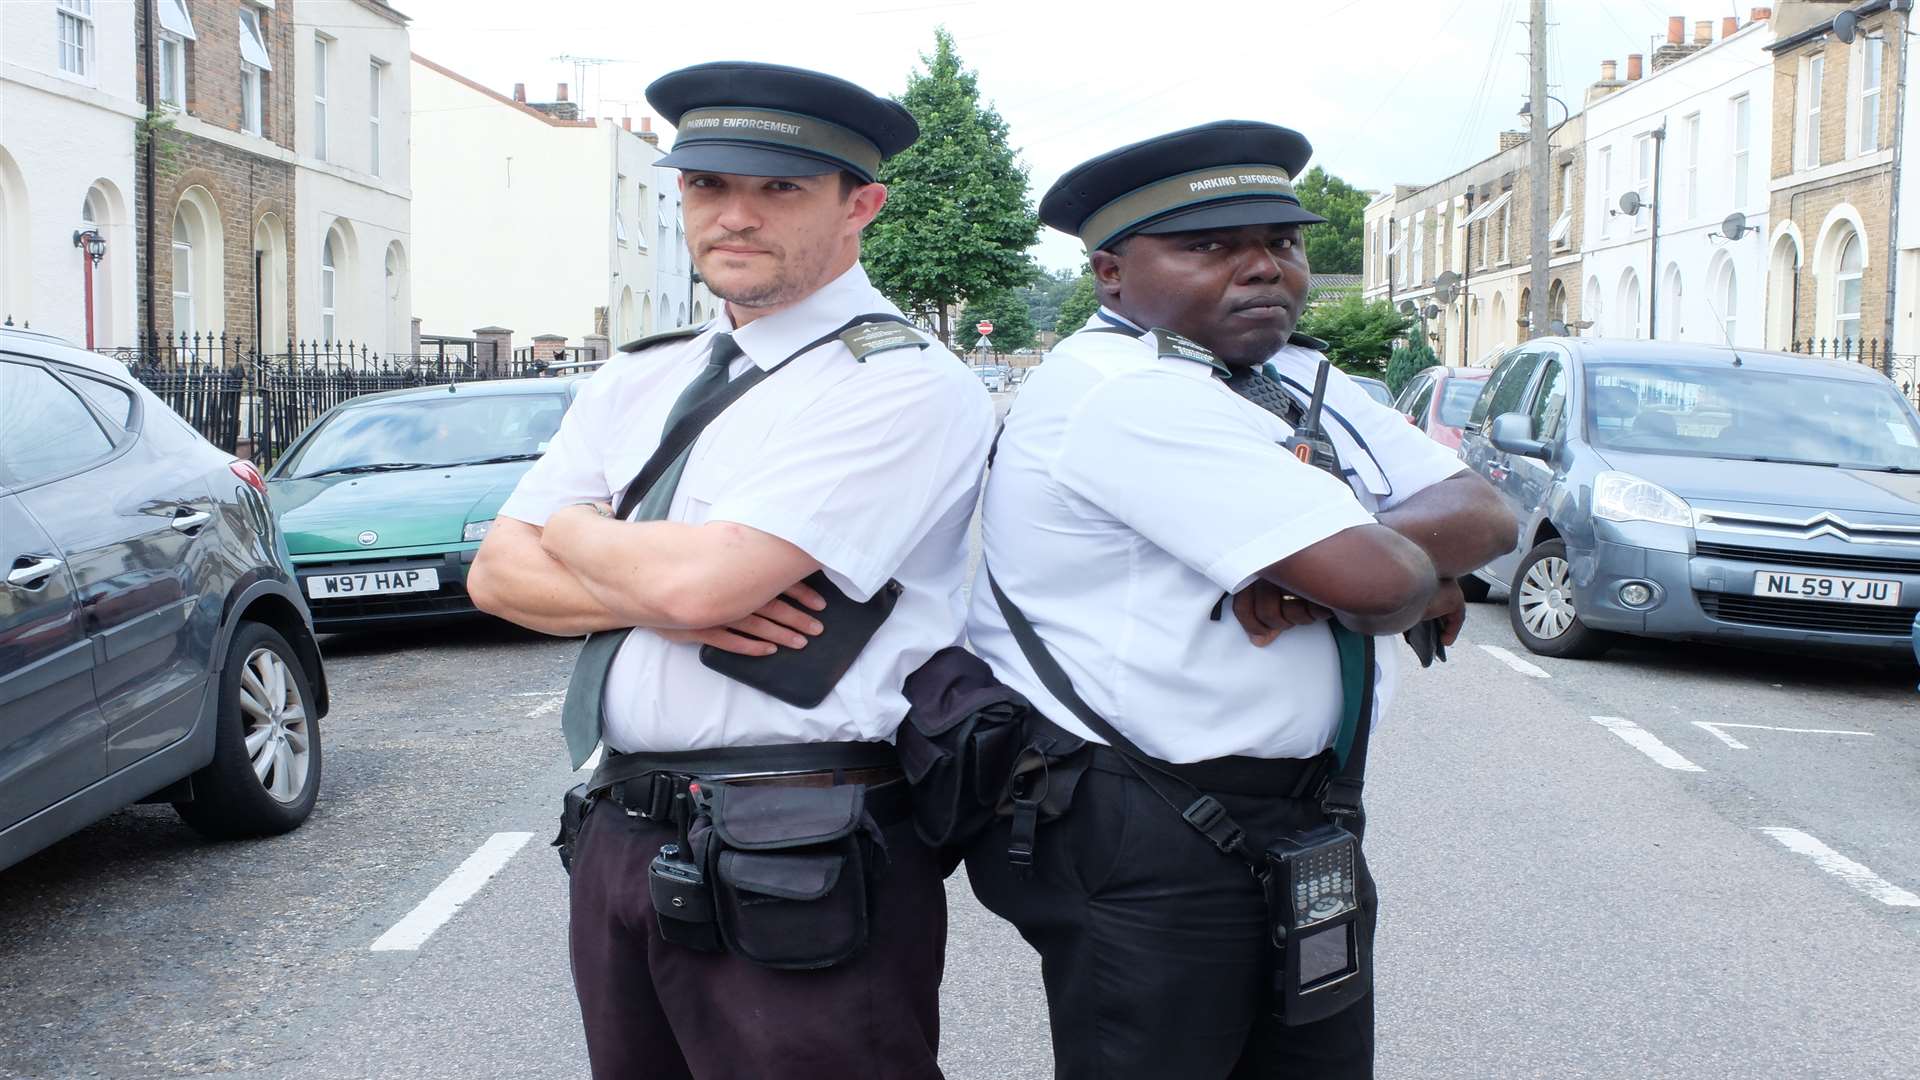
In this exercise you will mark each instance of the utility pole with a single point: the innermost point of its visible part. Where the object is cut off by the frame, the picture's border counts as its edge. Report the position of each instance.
(1540, 166)
(1905, 41)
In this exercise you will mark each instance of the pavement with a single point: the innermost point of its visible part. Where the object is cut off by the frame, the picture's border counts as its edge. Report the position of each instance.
(1717, 878)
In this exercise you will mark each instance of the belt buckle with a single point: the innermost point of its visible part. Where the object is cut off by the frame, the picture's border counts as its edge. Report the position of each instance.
(659, 802)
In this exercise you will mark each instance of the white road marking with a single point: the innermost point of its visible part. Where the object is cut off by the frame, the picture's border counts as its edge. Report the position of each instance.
(450, 895)
(1644, 741)
(593, 759)
(551, 705)
(1522, 666)
(1844, 868)
(539, 693)
(1712, 727)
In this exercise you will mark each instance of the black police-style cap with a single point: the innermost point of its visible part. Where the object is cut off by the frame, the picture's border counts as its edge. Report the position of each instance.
(1231, 172)
(769, 120)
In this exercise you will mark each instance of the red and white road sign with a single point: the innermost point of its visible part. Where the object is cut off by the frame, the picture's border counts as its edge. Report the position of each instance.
(984, 326)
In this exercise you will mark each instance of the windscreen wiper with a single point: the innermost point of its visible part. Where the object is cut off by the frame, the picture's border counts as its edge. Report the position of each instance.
(378, 466)
(1793, 461)
(491, 460)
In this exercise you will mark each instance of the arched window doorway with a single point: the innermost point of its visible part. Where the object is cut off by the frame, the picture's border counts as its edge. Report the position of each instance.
(1672, 316)
(198, 270)
(1783, 291)
(1626, 315)
(1725, 297)
(270, 283)
(1557, 308)
(1846, 289)
(329, 288)
(398, 304)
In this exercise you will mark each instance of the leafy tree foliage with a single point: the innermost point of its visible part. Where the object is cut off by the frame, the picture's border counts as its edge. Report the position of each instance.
(958, 221)
(1335, 247)
(1044, 297)
(1409, 360)
(1078, 307)
(1359, 333)
(1012, 327)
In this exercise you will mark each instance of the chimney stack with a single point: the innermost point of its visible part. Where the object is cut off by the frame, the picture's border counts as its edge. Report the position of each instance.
(1609, 71)
(1703, 32)
(520, 92)
(1676, 29)
(647, 134)
(1633, 67)
(1511, 139)
(1729, 26)
(626, 123)
(646, 123)
(1760, 14)
(560, 92)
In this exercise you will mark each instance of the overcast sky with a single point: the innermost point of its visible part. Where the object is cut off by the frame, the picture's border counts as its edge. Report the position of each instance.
(1388, 91)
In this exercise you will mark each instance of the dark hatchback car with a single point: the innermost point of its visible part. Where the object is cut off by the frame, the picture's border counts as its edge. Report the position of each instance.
(1686, 491)
(385, 498)
(153, 644)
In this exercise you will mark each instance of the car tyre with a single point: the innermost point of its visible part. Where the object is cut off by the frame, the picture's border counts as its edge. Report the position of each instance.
(1540, 607)
(265, 772)
(1474, 588)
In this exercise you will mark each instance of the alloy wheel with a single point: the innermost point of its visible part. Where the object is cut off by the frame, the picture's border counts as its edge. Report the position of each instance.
(278, 740)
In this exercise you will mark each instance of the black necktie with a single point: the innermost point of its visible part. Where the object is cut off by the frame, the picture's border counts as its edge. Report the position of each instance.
(1263, 390)
(581, 719)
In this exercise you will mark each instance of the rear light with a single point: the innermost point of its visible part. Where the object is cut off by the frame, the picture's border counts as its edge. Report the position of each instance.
(246, 472)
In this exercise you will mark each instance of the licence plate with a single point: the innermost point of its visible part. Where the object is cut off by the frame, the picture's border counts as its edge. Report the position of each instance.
(1839, 590)
(321, 586)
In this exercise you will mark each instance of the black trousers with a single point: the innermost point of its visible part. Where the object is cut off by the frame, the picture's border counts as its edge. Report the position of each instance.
(1153, 944)
(659, 1011)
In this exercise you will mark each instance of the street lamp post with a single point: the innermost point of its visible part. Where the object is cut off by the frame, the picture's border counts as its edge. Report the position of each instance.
(93, 248)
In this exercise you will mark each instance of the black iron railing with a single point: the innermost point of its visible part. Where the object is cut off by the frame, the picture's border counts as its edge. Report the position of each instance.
(255, 403)
(1902, 368)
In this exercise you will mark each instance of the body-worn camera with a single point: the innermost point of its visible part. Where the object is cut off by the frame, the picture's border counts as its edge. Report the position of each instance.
(1321, 965)
(682, 902)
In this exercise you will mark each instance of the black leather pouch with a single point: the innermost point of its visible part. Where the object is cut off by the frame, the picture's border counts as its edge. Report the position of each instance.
(790, 870)
(804, 677)
(573, 813)
(682, 900)
(958, 745)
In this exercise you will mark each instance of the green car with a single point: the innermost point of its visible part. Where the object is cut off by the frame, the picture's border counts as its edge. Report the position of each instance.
(384, 499)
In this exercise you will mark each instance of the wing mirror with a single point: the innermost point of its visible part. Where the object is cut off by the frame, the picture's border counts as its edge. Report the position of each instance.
(1513, 433)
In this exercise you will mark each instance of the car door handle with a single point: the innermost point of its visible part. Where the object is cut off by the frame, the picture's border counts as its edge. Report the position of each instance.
(186, 521)
(32, 574)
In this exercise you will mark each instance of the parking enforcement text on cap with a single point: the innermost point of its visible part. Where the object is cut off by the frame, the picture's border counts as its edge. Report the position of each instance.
(1218, 175)
(770, 120)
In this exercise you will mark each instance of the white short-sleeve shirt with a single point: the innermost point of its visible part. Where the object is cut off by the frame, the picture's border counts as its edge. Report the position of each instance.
(872, 468)
(1130, 492)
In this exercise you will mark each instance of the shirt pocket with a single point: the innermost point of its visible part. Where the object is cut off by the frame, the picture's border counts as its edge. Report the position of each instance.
(709, 473)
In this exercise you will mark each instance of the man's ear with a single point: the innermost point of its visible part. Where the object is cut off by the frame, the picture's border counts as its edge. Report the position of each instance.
(1107, 271)
(865, 204)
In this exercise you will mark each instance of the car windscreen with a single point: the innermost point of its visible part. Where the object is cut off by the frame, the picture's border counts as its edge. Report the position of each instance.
(1456, 403)
(440, 430)
(1739, 413)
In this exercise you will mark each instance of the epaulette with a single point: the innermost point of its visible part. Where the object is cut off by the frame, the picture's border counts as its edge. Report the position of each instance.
(1308, 341)
(662, 338)
(872, 337)
(1174, 346)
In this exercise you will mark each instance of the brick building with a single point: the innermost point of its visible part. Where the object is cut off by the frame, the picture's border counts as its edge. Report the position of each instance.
(1474, 227)
(1832, 175)
(255, 113)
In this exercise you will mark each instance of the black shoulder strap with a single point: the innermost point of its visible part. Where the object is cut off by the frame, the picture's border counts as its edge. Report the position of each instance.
(1202, 811)
(663, 337)
(675, 442)
(1307, 341)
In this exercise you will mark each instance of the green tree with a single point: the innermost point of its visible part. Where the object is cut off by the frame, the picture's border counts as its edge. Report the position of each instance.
(1078, 307)
(1409, 360)
(1044, 296)
(1337, 246)
(958, 222)
(1012, 326)
(1359, 333)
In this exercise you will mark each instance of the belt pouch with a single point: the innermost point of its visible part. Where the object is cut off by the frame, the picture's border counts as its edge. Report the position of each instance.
(682, 900)
(789, 867)
(957, 745)
(573, 812)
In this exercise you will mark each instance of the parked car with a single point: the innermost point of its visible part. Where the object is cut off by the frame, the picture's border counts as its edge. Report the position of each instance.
(385, 498)
(1375, 389)
(1685, 491)
(153, 642)
(993, 378)
(1439, 399)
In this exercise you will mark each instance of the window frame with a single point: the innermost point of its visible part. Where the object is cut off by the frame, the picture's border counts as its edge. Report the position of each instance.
(1740, 137)
(1866, 133)
(376, 100)
(173, 74)
(1606, 191)
(182, 256)
(329, 290)
(322, 52)
(1645, 148)
(1841, 278)
(77, 15)
(253, 100)
(1691, 122)
(1813, 71)
(1506, 233)
(1726, 286)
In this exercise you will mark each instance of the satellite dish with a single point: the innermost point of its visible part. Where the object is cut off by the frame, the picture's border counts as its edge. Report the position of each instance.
(1447, 294)
(1846, 26)
(1630, 202)
(1407, 308)
(1445, 280)
(1735, 226)
(1558, 328)
(1432, 312)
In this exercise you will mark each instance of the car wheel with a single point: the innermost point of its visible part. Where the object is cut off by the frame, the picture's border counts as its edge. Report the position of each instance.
(265, 772)
(1540, 606)
(1474, 588)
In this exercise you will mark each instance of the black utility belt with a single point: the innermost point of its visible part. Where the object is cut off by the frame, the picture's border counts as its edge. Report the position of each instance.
(1284, 778)
(775, 858)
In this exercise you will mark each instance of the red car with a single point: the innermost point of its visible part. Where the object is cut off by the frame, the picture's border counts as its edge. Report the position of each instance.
(1438, 400)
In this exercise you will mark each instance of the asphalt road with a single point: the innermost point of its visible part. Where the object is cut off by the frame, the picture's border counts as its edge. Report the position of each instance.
(1562, 897)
